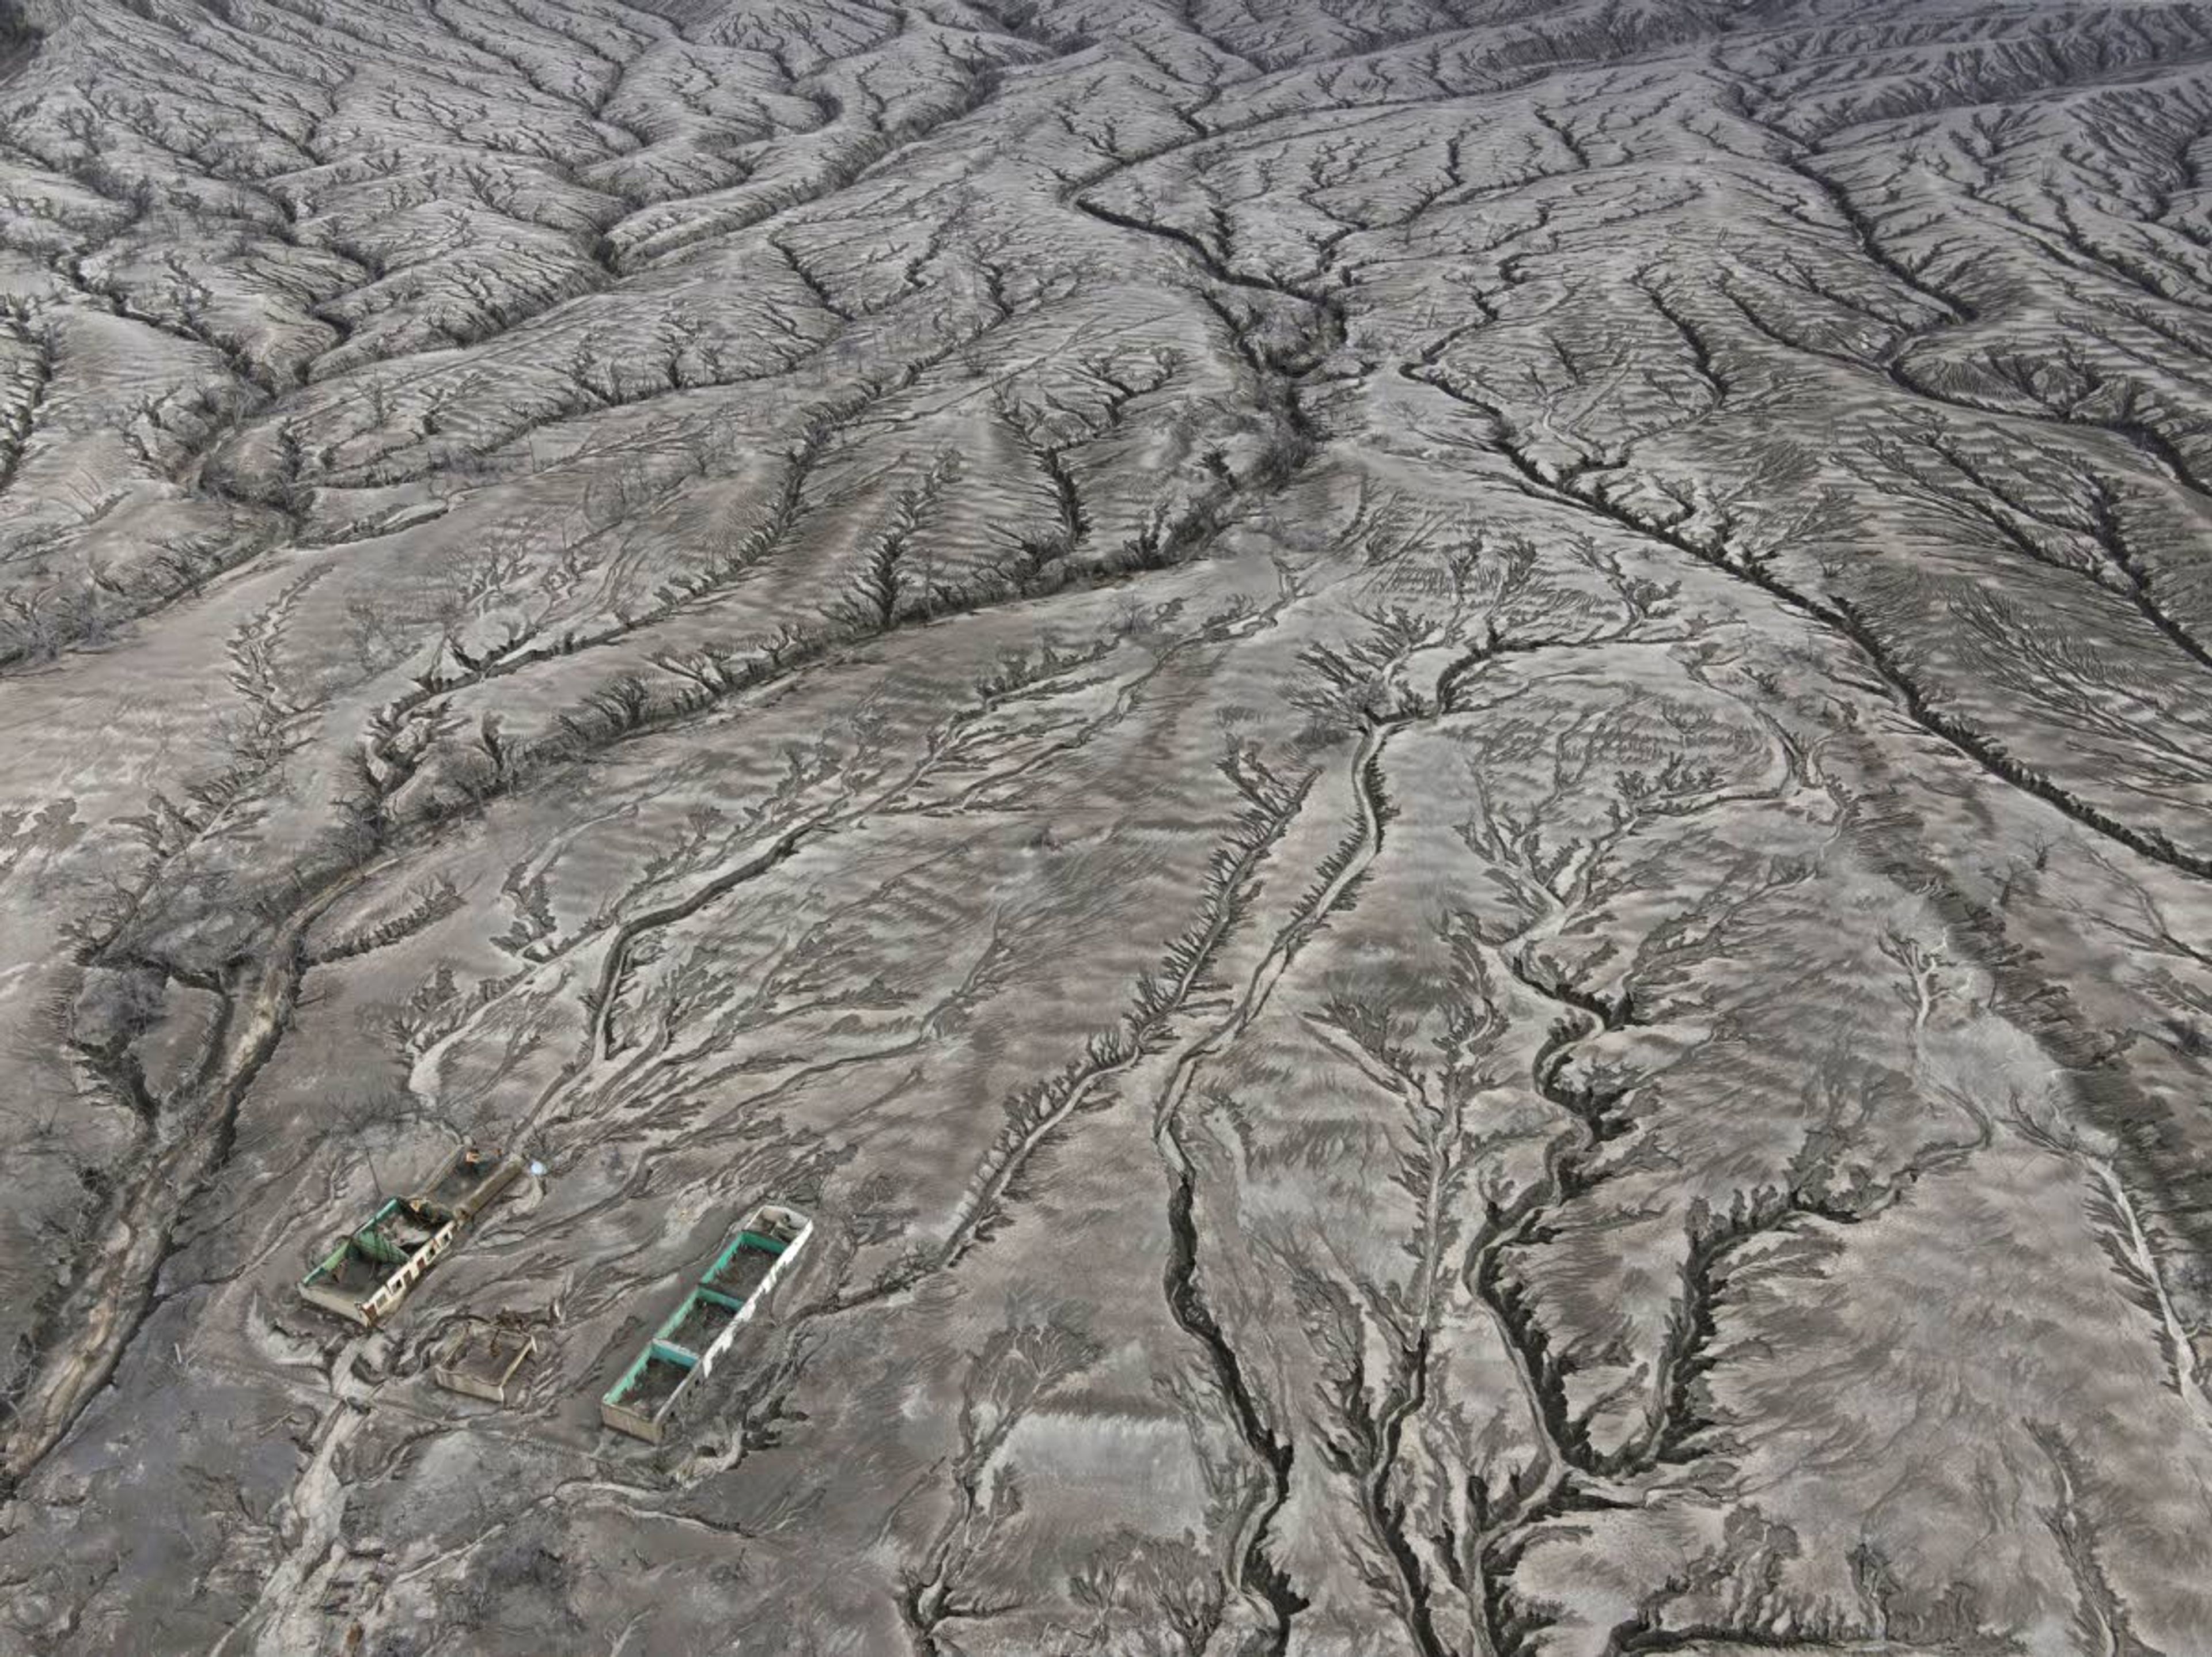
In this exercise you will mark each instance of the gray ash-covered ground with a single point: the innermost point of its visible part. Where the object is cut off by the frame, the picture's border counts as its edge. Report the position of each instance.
(1439, 767)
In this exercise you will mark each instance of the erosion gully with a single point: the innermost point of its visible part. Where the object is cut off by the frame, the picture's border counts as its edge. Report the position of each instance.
(116, 1290)
(1250, 1572)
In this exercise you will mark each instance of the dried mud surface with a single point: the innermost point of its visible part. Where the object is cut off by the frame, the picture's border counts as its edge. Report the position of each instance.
(1439, 768)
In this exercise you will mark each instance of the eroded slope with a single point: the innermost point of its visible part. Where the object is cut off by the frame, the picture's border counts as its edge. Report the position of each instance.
(1440, 769)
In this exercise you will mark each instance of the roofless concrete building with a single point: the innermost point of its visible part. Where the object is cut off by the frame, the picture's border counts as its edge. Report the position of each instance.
(485, 1360)
(682, 1352)
(373, 1269)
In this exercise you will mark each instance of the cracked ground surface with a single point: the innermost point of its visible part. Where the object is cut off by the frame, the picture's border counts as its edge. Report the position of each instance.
(1440, 767)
